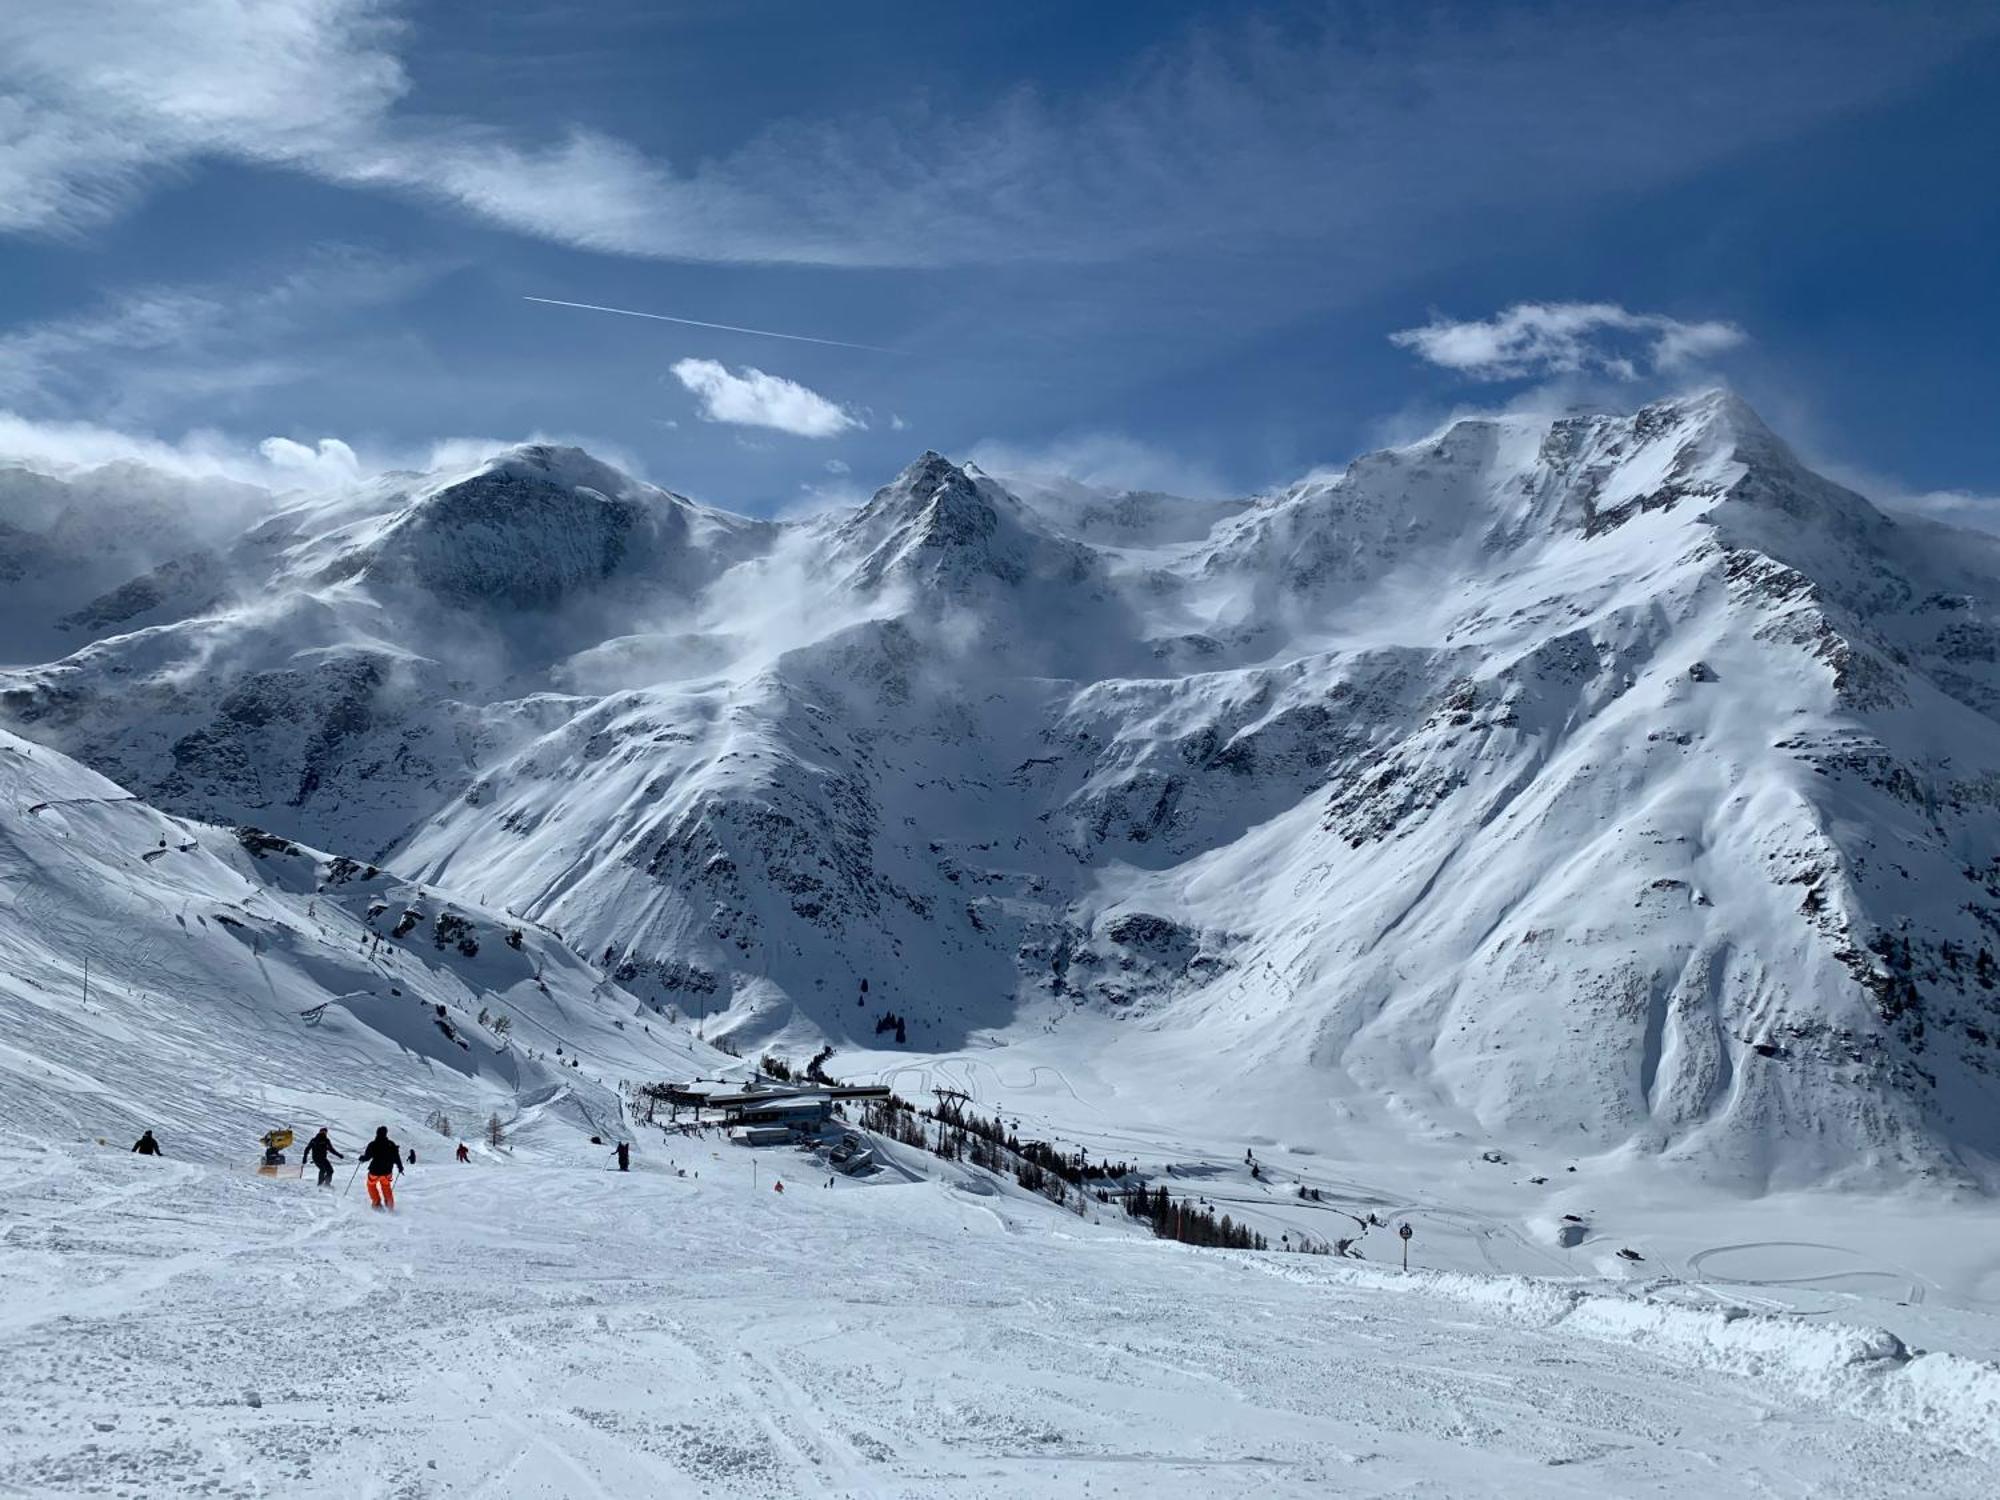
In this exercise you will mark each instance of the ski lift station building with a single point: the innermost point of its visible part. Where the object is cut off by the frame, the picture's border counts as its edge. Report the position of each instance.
(796, 1113)
(789, 1108)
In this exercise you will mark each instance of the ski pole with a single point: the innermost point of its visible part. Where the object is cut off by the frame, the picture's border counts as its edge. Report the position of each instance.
(350, 1180)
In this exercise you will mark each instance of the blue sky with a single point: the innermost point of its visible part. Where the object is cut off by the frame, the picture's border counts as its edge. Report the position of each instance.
(1166, 244)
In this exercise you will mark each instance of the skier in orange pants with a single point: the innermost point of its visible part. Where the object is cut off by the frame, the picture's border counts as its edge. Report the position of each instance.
(384, 1157)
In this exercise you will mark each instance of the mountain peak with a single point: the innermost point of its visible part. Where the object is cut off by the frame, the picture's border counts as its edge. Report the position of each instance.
(558, 465)
(932, 501)
(1716, 413)
(948, 527)
(927, 479)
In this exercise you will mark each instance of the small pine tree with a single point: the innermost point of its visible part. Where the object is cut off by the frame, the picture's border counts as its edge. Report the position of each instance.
(496, 1135)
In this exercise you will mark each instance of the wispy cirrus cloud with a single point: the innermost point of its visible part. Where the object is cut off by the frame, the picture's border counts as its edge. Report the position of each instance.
(101, 99)
(1310, 128)
(1539, 339)
(131, 357)
(751, 398)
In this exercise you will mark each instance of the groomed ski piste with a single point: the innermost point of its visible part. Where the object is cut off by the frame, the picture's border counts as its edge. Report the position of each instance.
(533, 1322)
(535, 1325)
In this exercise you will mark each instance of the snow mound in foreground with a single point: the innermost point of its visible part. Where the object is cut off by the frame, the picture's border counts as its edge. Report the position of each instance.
(1869, 1372)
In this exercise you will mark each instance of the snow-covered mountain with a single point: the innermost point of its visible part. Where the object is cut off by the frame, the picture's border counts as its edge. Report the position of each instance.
(1610, 779)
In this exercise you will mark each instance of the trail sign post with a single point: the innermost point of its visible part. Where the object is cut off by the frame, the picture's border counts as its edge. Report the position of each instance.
(1403, 1233)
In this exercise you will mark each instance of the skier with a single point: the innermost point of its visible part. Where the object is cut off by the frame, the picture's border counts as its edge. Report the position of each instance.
(413, 1156)
(146, 1145)
(463, 1154)
(624, 1156)
(384, 1157)
(320, 1152)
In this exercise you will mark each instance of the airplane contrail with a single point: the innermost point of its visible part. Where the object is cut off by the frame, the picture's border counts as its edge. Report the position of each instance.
(762, 333)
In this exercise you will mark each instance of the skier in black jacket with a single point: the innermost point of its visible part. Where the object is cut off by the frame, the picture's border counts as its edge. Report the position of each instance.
(384, 1157)
(320, 1152)
(146, 1145)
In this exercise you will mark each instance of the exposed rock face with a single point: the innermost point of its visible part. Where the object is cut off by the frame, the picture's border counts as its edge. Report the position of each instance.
(1613, 776)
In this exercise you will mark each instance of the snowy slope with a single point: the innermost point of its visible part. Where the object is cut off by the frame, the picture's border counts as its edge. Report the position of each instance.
(1611, 779)
(206, 950)
(541, 1328)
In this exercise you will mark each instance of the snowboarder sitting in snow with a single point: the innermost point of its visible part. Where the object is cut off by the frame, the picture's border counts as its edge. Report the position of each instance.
(320, 1152)
(146, 1145)
(384, 1157)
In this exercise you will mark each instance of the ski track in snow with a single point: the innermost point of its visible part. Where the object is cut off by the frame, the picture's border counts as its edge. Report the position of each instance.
(538, 1328)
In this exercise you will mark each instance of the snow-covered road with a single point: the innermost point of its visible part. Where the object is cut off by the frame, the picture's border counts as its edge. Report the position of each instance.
(536, 1327)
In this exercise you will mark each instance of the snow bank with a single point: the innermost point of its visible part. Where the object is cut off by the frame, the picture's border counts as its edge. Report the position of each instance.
(1868, 1372)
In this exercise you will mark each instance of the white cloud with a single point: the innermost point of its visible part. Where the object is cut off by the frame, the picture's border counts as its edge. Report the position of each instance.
(751, 398)
(1956, 507)
(1959, 507)
(835, 466)
(275, 463)
(1307, 128)
(58, 447)
(1567, 338)
(62, 447)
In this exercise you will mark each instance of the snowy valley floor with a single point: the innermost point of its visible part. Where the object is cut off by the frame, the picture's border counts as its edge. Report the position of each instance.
(542, 1327)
